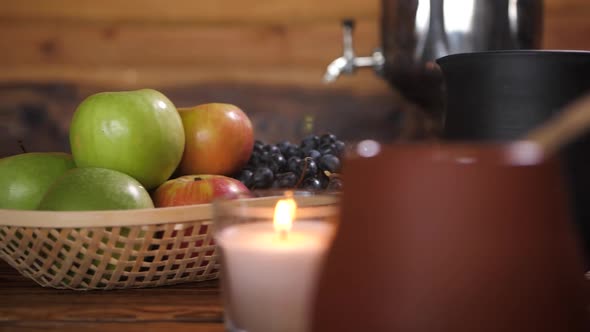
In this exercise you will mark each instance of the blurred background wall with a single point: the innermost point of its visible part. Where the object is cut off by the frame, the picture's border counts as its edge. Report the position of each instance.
(266, 56)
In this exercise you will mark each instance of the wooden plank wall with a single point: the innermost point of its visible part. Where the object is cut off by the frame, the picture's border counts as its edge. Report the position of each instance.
(183, 42)
(267, 56)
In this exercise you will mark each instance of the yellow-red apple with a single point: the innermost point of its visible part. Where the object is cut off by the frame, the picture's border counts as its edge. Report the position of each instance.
(219, 139)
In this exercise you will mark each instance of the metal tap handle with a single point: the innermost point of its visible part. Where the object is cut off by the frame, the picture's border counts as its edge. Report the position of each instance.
(348, 23)
(347, 29)
(348, 62)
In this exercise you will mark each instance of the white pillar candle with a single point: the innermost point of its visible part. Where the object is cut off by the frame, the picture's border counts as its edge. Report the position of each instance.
(268, 279)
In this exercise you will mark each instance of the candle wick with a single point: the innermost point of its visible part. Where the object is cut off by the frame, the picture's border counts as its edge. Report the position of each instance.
(283, 235)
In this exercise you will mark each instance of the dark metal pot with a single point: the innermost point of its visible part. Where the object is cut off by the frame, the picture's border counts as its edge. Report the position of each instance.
(501, 95)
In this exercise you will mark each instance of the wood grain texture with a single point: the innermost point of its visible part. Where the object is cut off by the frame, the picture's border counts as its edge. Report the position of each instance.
(220, 11)
(29, 326)
(25, 305)
(122, 78)
(568, 32)
(87, 43)
(128, 56)
(567, 24)
(567, 7)
(126, 45)
(199, 12)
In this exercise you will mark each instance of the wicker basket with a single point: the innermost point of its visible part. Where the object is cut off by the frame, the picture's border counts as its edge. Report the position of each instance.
(115, 249)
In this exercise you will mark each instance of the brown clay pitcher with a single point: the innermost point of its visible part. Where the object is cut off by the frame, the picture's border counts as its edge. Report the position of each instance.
(453, 238)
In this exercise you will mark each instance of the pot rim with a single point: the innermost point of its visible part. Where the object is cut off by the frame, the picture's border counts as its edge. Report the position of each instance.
(519, 52)
(508, 154)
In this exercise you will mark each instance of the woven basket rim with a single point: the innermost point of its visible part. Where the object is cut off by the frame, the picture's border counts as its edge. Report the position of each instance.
(107, 218)
(111, 218)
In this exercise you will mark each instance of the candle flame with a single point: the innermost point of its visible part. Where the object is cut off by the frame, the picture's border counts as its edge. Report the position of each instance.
(284, 215)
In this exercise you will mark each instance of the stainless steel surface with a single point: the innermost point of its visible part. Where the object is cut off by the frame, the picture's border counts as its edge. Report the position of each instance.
(457, 26)
(416, 32)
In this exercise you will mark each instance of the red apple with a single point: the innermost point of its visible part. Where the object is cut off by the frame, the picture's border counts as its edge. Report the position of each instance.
(219, 139)
(198, 189)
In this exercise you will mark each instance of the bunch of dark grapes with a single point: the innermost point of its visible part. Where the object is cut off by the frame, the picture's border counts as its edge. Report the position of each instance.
(314, 164)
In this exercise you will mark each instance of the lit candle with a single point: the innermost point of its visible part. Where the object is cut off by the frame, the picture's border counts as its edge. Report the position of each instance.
(269, 273)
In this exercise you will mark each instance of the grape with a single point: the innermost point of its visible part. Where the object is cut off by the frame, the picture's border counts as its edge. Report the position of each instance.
(271, 149)
(283, 146)
(312, 183)
(277, 162)
(335, 184)
(293, 164)
(262, 178)
(313, 164)
(310, 142)
(330, 163)
(307, 168)
(340, 146)
(264, 158)
(293, 151)
(314, 154)
(285, 180)
(327, 139)
(328, 148)
(254, 160)
(258, 145)
(245, 176)
(305, 150)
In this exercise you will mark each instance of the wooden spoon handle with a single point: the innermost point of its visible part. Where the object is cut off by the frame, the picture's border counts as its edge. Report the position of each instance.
(563, 128)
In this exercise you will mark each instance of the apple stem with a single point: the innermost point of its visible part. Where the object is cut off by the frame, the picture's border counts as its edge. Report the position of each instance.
(22, 146)
(197, 179)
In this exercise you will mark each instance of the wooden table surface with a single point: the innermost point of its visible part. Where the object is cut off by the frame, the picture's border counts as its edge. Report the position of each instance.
(26, 306)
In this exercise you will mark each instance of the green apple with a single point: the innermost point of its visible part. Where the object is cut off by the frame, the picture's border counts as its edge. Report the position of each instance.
(93, 188)
(24, 178)
(139, 133)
